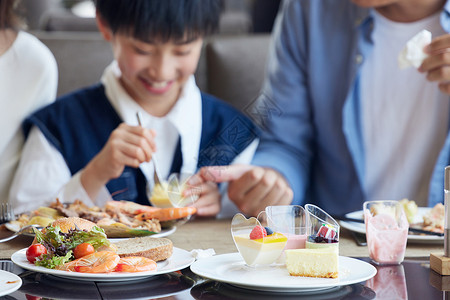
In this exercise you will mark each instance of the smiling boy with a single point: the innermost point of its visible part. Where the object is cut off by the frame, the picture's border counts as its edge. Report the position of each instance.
(88, 145)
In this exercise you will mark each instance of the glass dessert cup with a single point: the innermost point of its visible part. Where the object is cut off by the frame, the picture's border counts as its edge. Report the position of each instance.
(169, 193)
(386, 231)
(256, 246)
(289, 220)
(323, 230)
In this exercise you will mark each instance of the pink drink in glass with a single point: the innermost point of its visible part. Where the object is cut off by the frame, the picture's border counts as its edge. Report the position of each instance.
(386, 239)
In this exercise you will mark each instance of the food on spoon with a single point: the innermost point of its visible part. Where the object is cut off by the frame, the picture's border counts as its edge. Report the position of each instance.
(156, 249)
(323, 263)
(160, 197)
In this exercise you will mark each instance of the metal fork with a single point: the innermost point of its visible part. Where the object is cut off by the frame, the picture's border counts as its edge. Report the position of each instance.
(6, 213)
(17, 233)
(155, 168)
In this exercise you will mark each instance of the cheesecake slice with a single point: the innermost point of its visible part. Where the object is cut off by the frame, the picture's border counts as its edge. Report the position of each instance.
(321, 263)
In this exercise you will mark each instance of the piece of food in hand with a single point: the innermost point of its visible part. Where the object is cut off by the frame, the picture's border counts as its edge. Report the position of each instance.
(35, 251)
(156, 249)
(167, 214)
(410, 208)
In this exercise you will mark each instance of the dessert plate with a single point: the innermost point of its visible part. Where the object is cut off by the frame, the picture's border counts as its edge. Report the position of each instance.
(230, 268)
(361, 228)
(180, 259)
(9, 282)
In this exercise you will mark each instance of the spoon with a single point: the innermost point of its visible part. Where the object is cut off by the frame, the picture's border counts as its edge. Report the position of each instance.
(155, 168)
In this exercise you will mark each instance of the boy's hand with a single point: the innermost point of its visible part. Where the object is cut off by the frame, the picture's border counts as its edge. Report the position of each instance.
(208, 203)
(437, 65)
(127, 146)
(251, 188)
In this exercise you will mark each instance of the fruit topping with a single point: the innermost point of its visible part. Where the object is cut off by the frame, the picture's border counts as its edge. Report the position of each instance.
(326, 231)
(268, 230)
(258, 233)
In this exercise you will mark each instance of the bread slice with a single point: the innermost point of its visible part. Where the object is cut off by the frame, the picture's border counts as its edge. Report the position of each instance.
(154, 248)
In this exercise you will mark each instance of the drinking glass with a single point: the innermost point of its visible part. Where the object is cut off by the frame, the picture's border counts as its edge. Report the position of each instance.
(386, 231)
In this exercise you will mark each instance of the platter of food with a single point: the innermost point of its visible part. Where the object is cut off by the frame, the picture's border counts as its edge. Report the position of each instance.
(119, 219)
(426, 218)
(78, 249)
(180, 259)
(230, 268)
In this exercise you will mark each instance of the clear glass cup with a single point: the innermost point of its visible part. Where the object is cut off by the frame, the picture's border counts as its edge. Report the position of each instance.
(289, 220)
(170, 192)
(386, 231)
(323, 230)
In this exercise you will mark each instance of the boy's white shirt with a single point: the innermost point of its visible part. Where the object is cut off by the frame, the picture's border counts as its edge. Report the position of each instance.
(40, 159)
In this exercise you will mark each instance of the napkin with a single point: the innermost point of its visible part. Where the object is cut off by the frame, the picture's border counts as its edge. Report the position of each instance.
(202, 253)
(413, 54)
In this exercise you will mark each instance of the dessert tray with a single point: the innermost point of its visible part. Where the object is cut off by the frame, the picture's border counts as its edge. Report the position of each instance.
(180, 259)
(230, 268)
(361, 228)
(9, 282)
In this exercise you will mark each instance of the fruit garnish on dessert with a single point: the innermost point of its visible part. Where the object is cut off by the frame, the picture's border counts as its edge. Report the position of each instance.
(258, 232)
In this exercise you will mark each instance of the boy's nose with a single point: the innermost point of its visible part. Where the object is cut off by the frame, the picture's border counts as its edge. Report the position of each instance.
(162, 69)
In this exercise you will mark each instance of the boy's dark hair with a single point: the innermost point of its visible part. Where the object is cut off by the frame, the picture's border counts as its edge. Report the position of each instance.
(164, 20)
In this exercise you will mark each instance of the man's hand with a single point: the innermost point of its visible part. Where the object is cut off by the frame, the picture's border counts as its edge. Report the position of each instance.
(251, 188)
(437, 65)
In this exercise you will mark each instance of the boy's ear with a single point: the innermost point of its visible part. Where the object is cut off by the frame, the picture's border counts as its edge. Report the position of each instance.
(103, 27)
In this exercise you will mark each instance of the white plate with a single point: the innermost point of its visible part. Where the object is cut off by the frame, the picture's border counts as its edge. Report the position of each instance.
(361, 228)
(230, 268)
(9, 282)
(180, 259)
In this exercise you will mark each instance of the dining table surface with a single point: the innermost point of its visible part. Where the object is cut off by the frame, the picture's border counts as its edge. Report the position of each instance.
(413, 279)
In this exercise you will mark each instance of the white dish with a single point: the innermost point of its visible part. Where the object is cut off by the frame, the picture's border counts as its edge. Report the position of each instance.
(180, 259)
(230, 268)
(9, 282)
(361, 228)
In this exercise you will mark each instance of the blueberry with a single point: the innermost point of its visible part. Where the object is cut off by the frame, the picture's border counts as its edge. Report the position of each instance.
(268, 230)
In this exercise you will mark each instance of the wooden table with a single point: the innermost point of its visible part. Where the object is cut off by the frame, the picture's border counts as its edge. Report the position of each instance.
(213, 233)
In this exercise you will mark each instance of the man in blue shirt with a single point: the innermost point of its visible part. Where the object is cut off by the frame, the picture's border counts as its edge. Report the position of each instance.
(343, 124)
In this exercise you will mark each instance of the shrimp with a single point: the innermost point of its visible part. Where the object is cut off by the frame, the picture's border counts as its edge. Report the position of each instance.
(167, 214)
(128, 207)
(98, 262)
(135, 264)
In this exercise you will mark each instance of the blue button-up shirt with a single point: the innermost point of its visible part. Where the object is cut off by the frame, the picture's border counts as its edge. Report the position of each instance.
(310, 105)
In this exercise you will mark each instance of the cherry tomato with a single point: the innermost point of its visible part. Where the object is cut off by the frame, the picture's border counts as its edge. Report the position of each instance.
(35, 251)
(83, 250)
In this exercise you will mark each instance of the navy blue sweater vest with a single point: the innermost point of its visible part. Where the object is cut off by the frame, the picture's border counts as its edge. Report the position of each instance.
(79, 124)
